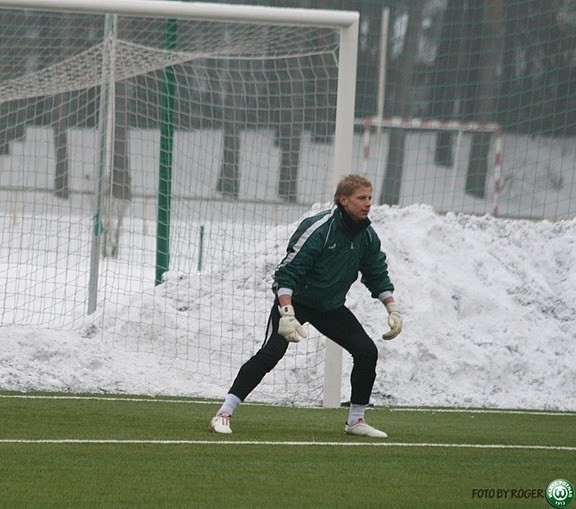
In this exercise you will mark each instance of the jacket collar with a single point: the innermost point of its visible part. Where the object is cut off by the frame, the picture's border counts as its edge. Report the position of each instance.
(352, 226)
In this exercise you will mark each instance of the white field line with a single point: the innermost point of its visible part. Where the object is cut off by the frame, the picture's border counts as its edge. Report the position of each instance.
(482, 411)
(289, 443)
(208, 402)
(281, 443)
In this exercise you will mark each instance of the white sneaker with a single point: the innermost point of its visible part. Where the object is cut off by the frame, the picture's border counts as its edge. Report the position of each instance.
(362, 429)
(221, 423)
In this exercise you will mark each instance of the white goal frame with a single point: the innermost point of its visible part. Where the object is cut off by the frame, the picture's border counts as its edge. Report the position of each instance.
(419, 124)
(346, 22)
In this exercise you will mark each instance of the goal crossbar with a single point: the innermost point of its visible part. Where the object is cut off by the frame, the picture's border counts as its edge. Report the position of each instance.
(196, 10)
(431, 124)
(419, 124)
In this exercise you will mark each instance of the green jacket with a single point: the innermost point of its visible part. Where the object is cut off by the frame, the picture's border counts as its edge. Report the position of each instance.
(325, 255)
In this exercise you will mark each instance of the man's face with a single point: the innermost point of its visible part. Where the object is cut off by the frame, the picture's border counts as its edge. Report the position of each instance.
(358, 203)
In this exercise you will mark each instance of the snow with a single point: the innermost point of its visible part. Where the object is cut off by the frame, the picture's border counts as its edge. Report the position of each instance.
(489, 304)
(489, 308)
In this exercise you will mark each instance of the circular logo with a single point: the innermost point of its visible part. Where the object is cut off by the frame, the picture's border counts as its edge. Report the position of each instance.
(560, 493)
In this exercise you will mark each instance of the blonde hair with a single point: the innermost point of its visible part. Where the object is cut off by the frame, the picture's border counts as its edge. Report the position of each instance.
(348, 185)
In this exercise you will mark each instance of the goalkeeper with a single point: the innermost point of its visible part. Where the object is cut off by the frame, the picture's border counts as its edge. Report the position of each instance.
(323, 259)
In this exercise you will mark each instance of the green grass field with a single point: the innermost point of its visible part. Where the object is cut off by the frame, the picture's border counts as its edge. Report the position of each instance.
(65, 451)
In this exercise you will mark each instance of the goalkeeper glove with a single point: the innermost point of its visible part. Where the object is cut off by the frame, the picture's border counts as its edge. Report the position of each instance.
(290, 328)
(394, 320)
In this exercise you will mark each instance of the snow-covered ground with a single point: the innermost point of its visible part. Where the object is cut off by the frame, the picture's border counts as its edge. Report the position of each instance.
(489, 303)
(489, 307)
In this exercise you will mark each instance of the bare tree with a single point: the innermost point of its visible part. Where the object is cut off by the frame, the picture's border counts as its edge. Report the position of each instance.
(118, 184)
(232, 118)
(445, 80)
(491, 50)
(290, 127)
(11, 123)
(60, 127)
(60, 110)
(393, 177)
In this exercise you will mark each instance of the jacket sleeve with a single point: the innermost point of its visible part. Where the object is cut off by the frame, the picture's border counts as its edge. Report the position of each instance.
(301, 254)
(374, 268)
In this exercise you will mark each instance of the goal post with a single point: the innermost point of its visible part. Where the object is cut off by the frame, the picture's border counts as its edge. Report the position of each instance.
(187, 115)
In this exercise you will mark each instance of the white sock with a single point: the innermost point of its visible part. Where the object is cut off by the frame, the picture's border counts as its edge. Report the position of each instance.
(230, 403)
(355, 413)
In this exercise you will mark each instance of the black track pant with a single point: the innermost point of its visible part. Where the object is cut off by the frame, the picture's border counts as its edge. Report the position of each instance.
(340, 325)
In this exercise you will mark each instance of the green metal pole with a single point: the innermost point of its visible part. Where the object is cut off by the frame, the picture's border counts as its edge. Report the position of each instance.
(166, 157)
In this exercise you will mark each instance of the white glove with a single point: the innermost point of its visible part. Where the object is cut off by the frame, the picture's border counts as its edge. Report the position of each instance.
(394, 320)
(289, 327)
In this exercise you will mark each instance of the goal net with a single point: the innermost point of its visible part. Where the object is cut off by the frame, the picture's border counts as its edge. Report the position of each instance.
(154, 158)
